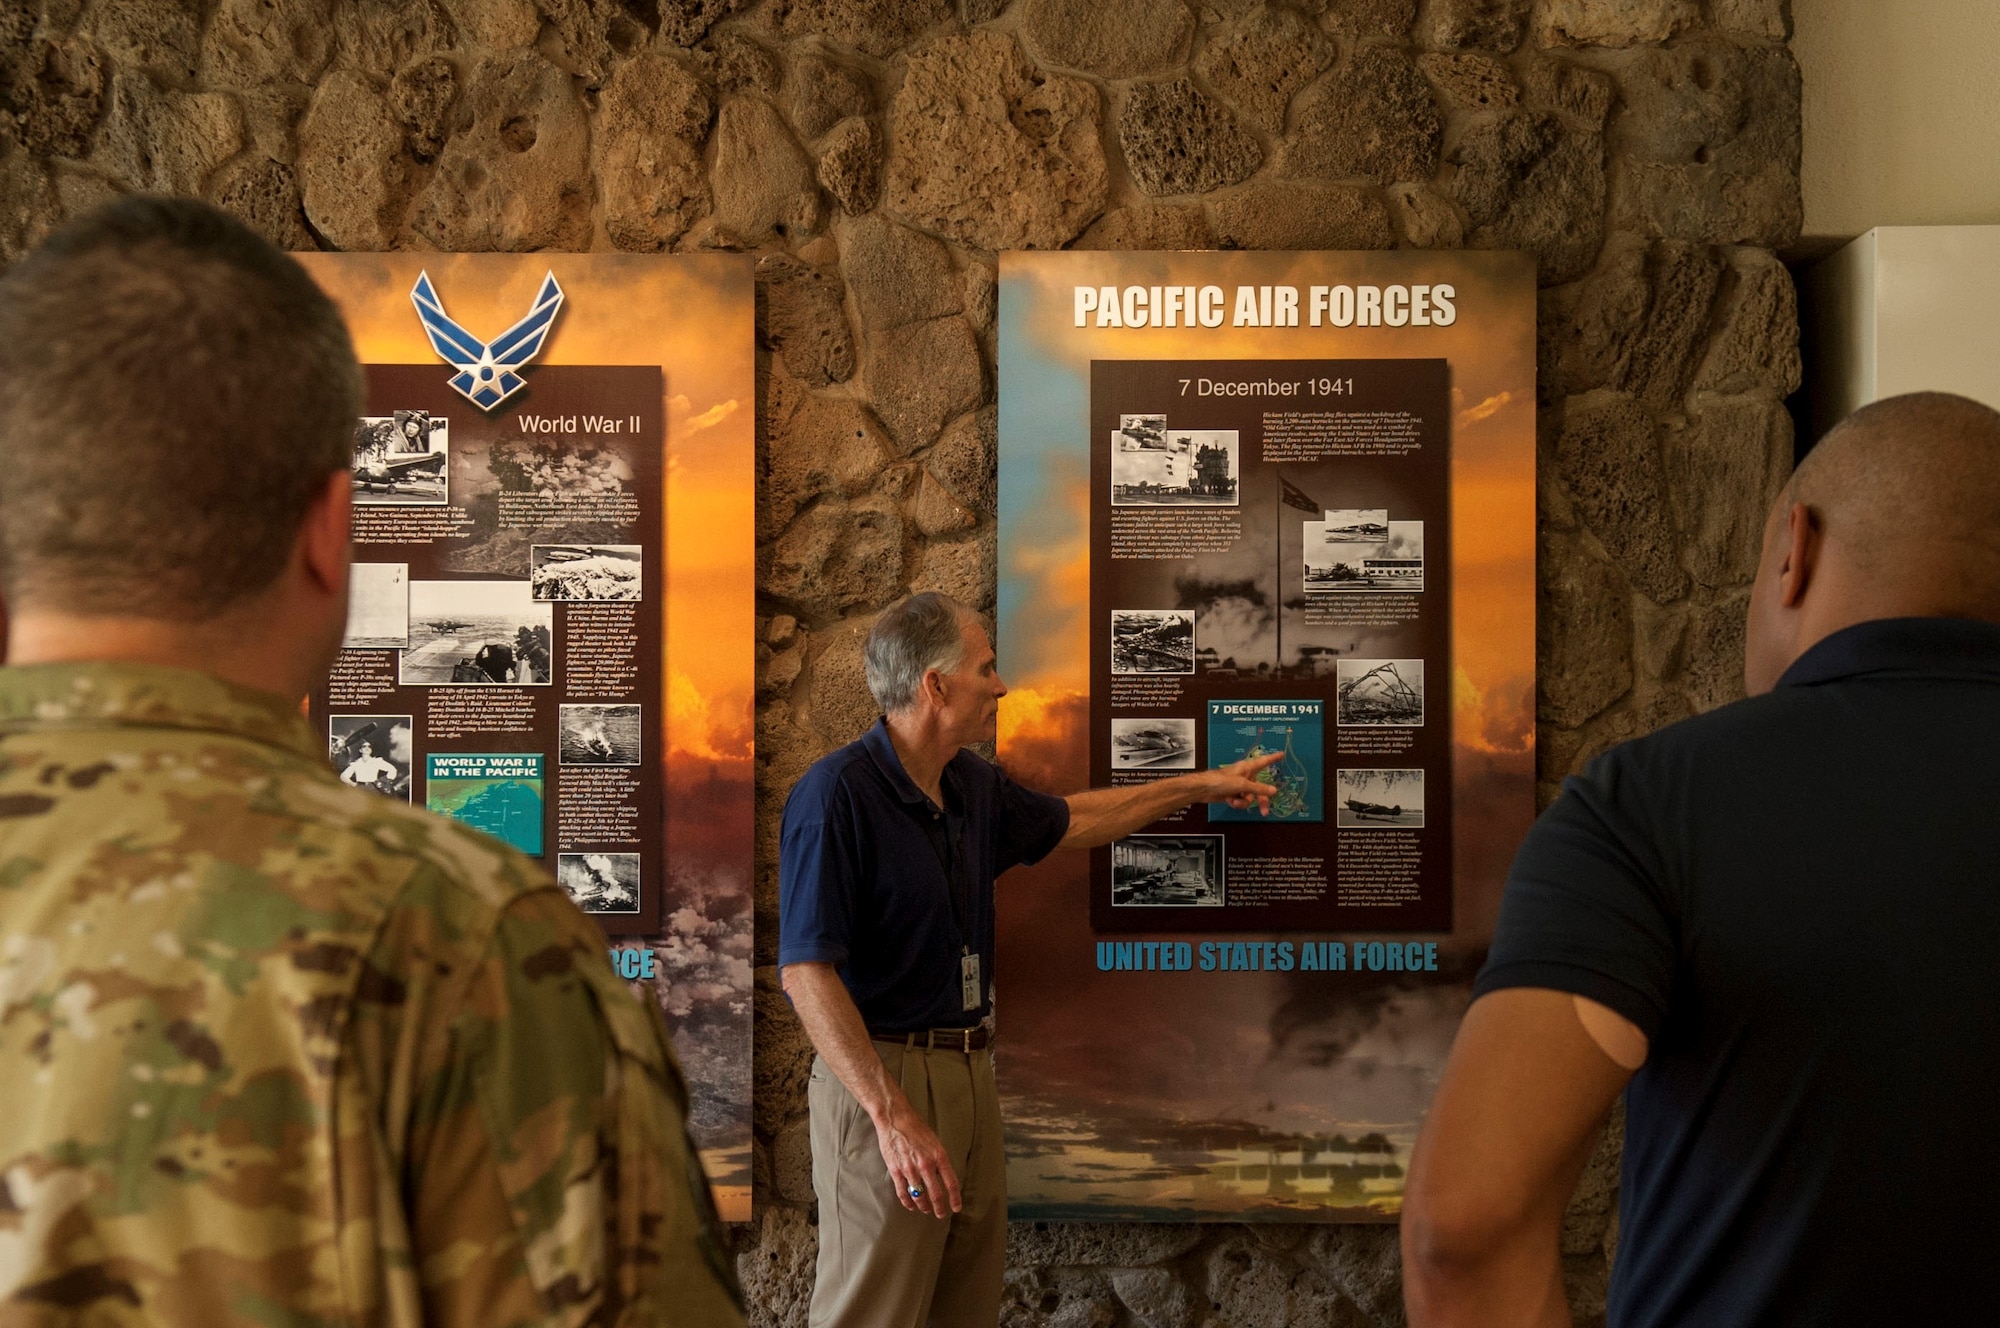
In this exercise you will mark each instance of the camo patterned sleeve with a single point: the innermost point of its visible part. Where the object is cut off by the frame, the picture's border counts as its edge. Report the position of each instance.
(547, 1171)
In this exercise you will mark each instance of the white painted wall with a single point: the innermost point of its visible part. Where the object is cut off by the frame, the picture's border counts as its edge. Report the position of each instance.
(1902, 113)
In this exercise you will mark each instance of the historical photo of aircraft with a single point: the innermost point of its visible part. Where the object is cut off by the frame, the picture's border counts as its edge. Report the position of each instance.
(402, 459)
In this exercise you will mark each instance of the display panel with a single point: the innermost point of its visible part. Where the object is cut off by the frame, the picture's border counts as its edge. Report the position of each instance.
(551, 628)
(1257, 503)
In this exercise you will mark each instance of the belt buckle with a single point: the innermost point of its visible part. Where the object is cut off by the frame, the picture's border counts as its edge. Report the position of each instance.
(961, 1037)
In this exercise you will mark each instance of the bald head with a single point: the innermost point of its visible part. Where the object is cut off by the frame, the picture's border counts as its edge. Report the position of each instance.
(1895, 514)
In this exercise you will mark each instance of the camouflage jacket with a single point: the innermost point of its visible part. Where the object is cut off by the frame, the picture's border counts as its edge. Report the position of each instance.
(278, 1051)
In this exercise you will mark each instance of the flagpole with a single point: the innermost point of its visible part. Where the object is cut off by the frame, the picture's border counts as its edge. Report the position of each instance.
(1278, 539)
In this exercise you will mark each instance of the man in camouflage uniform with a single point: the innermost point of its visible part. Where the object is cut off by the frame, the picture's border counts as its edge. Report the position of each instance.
(273, 1050)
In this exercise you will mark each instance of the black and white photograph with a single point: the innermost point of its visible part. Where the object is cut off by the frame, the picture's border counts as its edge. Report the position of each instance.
(378, 607)
(1152, 641)
(1167, 871)
(1378, 799)
(1160, 467)
(1152, 744)
(372, 752)
(600, 882)
(1380, 693)
(600, 735)
(1362, 550)
(586, 572)
(478, 634)
(402, 460)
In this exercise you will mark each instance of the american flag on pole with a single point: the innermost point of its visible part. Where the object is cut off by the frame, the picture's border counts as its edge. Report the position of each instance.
(1294, 496)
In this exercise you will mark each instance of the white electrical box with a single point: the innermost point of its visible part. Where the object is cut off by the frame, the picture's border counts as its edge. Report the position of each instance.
(1902, 309)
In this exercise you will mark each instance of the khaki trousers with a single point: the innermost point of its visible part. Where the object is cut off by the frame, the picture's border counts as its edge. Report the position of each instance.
(881, 1265)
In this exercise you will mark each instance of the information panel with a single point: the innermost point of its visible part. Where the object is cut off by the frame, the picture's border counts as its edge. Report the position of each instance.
(1258, 504)
(551, 633)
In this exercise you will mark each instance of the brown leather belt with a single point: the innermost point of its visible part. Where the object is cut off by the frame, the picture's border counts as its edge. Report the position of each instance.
(971, 1039)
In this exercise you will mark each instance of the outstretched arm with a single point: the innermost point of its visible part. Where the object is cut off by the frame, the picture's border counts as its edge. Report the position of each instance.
(911, 1149)
(1530, 1079)
(1098, 816)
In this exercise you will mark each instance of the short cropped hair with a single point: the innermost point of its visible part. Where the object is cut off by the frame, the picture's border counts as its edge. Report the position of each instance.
(174, 390)
(922, 633)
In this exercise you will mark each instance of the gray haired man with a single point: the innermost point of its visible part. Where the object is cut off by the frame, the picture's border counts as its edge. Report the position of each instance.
(889, 853)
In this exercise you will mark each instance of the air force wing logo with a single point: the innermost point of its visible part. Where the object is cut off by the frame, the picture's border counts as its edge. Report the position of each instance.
(487, 370)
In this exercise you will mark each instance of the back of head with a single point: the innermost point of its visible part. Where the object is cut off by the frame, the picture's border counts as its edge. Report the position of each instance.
(1908, 492)
(173, 393)
(924, 632)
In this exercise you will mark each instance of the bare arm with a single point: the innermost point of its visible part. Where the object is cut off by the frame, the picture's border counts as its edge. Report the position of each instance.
(1508, 1135)
(1098, 816)
(911, 1149)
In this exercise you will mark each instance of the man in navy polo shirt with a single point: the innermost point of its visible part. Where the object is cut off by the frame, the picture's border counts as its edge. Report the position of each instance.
(888, 856)
(1784, 917)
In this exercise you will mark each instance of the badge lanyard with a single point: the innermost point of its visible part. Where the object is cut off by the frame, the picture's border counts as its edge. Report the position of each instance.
(971, 989)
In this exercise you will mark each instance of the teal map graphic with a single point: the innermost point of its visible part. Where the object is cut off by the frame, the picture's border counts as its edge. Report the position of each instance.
(1241, 729)
(500, 793)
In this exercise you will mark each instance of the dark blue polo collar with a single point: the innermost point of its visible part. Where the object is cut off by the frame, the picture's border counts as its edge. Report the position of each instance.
(1914, 647)
(881, 749)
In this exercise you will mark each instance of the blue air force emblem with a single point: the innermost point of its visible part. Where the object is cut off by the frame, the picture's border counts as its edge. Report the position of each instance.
(486, 370)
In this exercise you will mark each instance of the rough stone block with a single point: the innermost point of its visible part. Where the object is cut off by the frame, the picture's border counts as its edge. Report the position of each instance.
(827, 447)
(1659, 639)
(1584, 630)
(804, 319)
(781, 1057)
(253, 42)
(1365, 1263)
(897, 275)
(792, 1163)
(498, 25)
(421, 96)
(1529, 181)
(1098, 1244)
(776, 1267)
(1125, 40)
(1609, 455)
(1735, 446)
(1756, 344)
(764, 183)
(836, 557)
(962, 569)
(58, 95)
(1426, 221)
(1584, 95)
(1475, 25)
(516, 173)
(736, 62)
(923, 374)
(1157, 1298)
(776, 672)
(686, 22)
(1150, 226)
(651, 120)
(1264, 59)
(1368, 18)
(162, 37)
(385, 35)
(1612, 22)
(29, 205)
(577, 37)
(1709, 143)
(1178, 140)
(821, 91)
(878, 28)
(1636, 324)
(1471, 81)
(1754, 18)
(1281, 214)
(842, 707)
(1715, 652)
(265, 194)
(1250, 1285)
(167, 142)
(990, 152)
(1372, 118)
(850, 165)
(981, 284)
(983, 11)
(965, 459)
(935, 511)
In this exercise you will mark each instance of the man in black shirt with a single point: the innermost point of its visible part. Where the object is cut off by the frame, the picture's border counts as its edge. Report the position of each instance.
(1777, 923)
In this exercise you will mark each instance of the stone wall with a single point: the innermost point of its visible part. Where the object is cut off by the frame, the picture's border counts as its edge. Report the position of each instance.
(874, 154)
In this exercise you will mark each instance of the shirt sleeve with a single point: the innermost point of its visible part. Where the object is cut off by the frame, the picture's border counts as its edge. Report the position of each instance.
(817, 879)
(550, 1168)
(1031, 824)
(1586, 908)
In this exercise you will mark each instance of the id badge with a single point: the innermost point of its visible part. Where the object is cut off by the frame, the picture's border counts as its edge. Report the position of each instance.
(970, 988)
